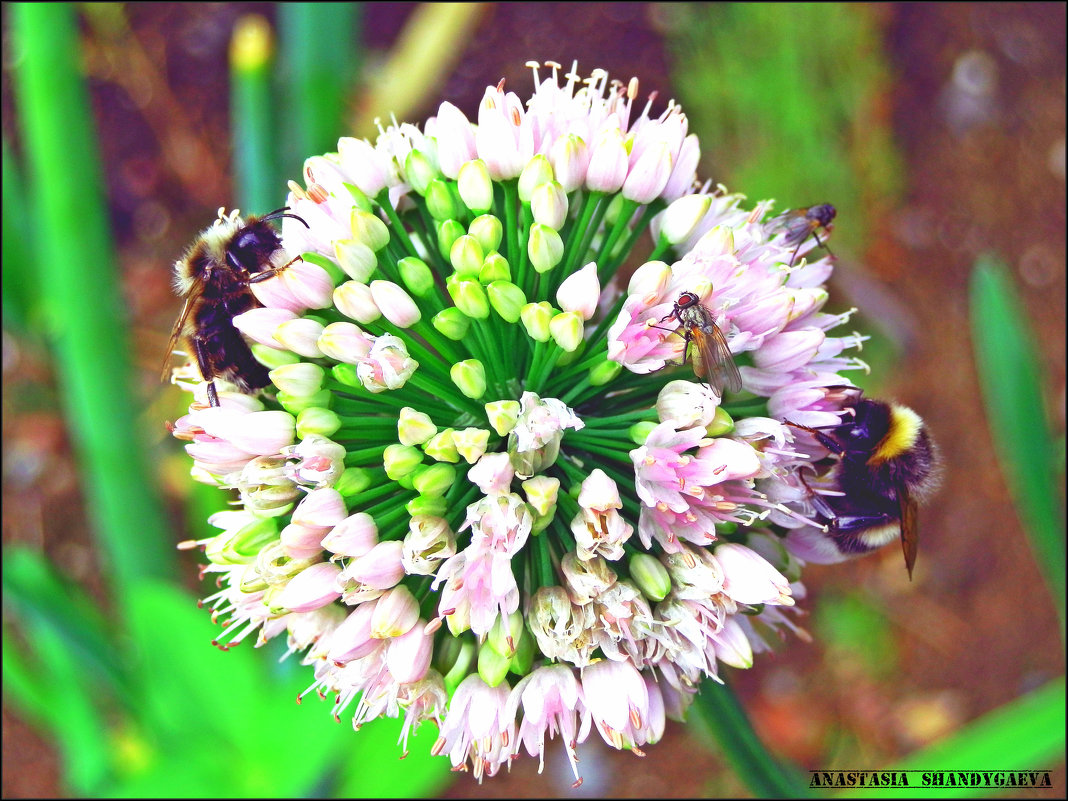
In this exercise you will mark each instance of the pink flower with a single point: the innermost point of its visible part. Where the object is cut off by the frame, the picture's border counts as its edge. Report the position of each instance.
(627, 713)
(387, 365)
(550, 698)
(598, 527)
(477, 727)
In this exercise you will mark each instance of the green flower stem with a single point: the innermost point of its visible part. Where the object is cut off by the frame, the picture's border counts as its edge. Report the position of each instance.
(605, 268)
(767, 776)
(581, 386)
(386, 486)
(567, 375)
(627, 419)
(354, 397)
(364, 457)
(390, 512)
(447, 393)
(526, 219)
(605, 323)
(550, 355)
(632, 238)
(366, 428)
(546, 574)
(89, 339)
(397, 229)
(252, 109)
(581, 233)
(662, 247)
(513, 241)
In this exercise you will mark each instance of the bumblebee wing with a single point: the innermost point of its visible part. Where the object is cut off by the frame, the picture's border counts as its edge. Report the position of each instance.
(910, 541)
(179, 326)
(712, 359)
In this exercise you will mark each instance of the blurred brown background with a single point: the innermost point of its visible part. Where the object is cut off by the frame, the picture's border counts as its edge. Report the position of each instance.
(977, 109)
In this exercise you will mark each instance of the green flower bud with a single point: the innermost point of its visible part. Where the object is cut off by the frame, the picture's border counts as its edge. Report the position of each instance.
(507, 299)
(448, 232)
(726, 529)
(346, 374)
(615, 208)
(494, 268)
(457, 662)
(414, 427)
(420, 171)
(542, 522)
(452, 323)
(601, 374)
(399, 460)
(470, 377)
(369, 229)
(273, 357)
(407, 481)
(548, 205)
(504, 634)
(488, 231)
(502, 415)
(466, 256)
(492, 667)
(524, 655)
(541, 492)
(356, 258)
(475, 187)
(359, 198)
(434, 479)
(544, 247)
(537, 172)
(353, 481)
(440, 202)
(470, 298)
(721, 425)
(441, 448)
(682, 216)
(651, 576)
(426, 505)
(639, 432)
(416, 275)
(317, 420)
(295, 404)
(244, 545)
(536, 317)
(566, 330)
(471, 443)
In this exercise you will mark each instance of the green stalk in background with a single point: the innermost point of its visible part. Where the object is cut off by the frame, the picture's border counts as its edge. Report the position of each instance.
(81, 299)
(253, 116)
(319, 60)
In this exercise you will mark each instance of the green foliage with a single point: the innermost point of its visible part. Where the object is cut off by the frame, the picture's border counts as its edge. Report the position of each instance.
(1011, 379)
(857, 631)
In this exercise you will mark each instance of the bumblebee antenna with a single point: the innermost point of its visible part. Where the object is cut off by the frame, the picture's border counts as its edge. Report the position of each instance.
(279, 213)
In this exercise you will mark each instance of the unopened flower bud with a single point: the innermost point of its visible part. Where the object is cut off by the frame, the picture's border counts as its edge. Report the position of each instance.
(400, 460)
(440, 201)
(504, 635)
(408, 656)
(470, 298)
(650, 575)
(243, 545)
(429, 506)
(448, 232)
(416, 275)
(494, 268)
(470, 377)
(271, 356)
(344, 342)
(570, 158)
(639, 432)
(678, 221)
(605, 371)
(475, 186)
(466, 256)
(471, 443)
(353, 299)
(541, 492)
(394, 303)
(300, 336)
(395, 614)
(435, 479)
(650, 279)
(355, 258)
(301, 379)
(649, 174)
(354, 536)
(419, 170)
(502, 415)
(295, 404)
(369, 229)
(353, 481)
(487, 229)
(608, 161)
(310, 589)
(441, 448)
(317, 421)
(721, 425)
(548, 205)
(414, 427)
(492, 667)
(536, 317)
(537, 172)
(507, 300)
(451, 323)
(566, 330)
(580, 292)
(544, 247)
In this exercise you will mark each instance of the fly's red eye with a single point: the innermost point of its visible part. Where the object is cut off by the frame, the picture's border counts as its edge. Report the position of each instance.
(687, 299)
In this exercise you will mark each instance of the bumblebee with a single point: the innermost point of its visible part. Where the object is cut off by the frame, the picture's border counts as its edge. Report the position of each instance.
(885, 462)
(799, 224)
(214, 276)
(705, 345)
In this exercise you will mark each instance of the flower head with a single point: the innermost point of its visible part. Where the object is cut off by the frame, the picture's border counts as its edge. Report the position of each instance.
(469, 421)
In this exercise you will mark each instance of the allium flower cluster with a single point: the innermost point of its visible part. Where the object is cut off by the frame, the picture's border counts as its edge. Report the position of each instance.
(475, 493)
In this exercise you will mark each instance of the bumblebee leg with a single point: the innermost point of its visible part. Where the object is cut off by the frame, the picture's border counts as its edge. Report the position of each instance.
(830, 443)
(271, 273)
(205, 370)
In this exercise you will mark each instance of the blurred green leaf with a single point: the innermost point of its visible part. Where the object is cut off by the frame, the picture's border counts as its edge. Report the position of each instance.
(1026, 734)
(253, 116)
(80, 292)
(1011, 379)
(857, 631)
(20, 295)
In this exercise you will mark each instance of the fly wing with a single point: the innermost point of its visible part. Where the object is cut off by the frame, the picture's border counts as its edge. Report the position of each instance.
(179, 326)
(910, 540)
(712, 359)
(795, 224)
